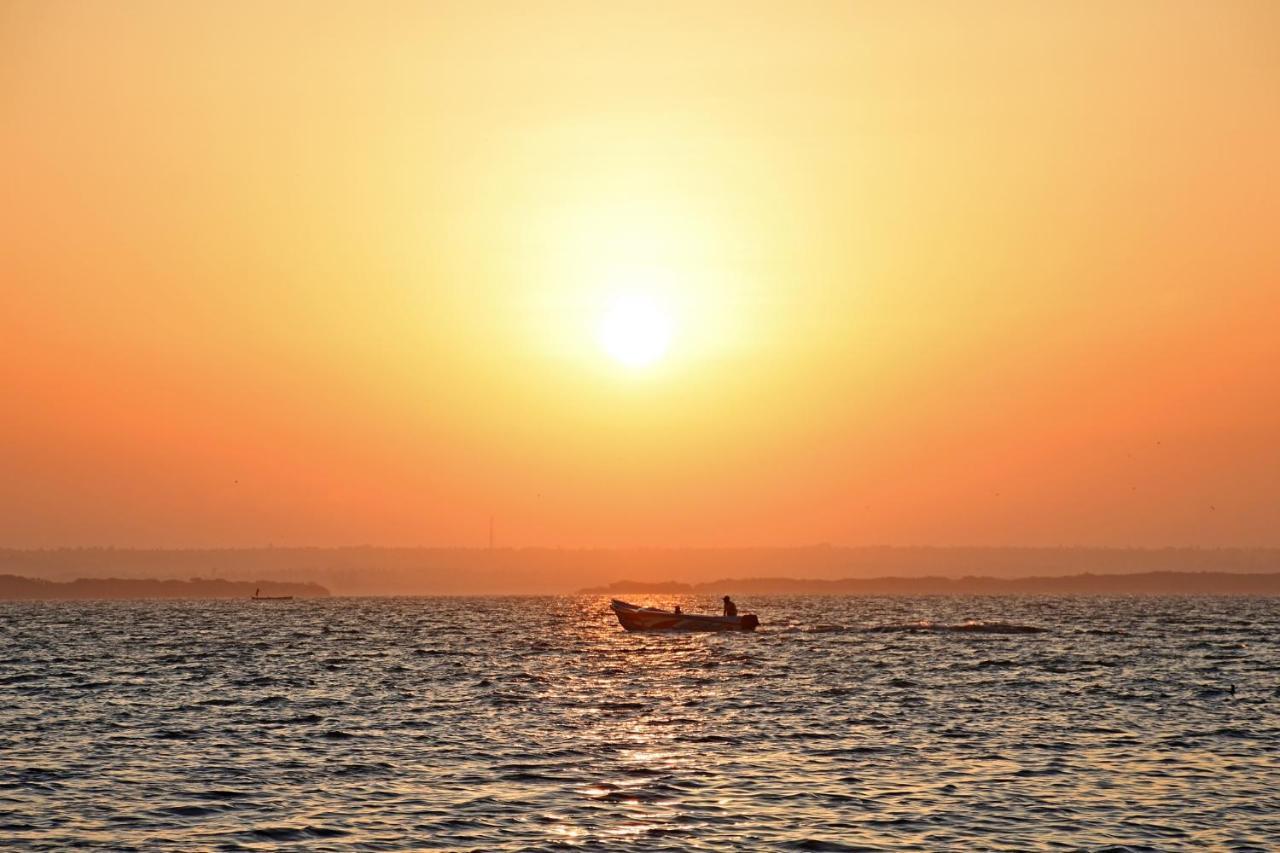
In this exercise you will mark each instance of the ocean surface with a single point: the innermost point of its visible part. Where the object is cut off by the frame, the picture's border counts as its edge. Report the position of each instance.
(501, 724)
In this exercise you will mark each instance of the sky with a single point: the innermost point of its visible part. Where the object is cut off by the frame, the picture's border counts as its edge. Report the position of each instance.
(639, 274)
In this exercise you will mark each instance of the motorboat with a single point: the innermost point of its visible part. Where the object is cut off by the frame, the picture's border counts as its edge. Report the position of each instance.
(636, 618)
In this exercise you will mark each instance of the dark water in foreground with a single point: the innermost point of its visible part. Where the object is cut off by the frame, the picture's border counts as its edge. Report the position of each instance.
(512, 724)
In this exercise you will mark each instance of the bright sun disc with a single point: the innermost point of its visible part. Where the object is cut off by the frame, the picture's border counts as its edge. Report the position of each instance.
(634, 330)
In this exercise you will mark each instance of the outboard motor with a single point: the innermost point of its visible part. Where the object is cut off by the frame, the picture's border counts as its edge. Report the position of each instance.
(750, 622)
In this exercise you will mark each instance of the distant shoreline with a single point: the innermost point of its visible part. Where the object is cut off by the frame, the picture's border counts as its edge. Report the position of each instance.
(15, 588)
(1146, 583)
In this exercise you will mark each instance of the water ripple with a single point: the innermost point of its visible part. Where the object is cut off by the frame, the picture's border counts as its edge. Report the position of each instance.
(515, 724)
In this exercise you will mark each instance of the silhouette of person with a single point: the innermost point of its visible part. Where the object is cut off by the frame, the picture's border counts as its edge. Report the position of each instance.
(678, 611)
(730, 609)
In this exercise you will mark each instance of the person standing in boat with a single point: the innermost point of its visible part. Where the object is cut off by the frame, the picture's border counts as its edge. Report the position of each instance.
(730, 609)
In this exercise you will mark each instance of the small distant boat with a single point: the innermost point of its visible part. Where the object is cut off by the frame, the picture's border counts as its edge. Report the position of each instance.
(257, 596)
(636, 618)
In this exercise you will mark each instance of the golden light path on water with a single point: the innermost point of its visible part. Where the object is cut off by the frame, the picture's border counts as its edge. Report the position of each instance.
(506, 724)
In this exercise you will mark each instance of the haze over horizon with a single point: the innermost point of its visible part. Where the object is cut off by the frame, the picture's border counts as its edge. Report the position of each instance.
(551, 571)
(639, 275)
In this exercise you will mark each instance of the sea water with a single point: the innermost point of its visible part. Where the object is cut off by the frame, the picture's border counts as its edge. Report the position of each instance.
(500, 724)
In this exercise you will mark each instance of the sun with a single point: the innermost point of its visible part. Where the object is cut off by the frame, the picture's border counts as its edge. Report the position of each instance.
(634, 330)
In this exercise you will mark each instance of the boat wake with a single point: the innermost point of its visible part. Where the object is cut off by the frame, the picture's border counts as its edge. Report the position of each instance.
(973, 626)
(923, 626)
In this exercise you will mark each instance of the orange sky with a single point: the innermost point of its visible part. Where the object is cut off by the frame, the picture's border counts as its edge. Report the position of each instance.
(311, 273)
